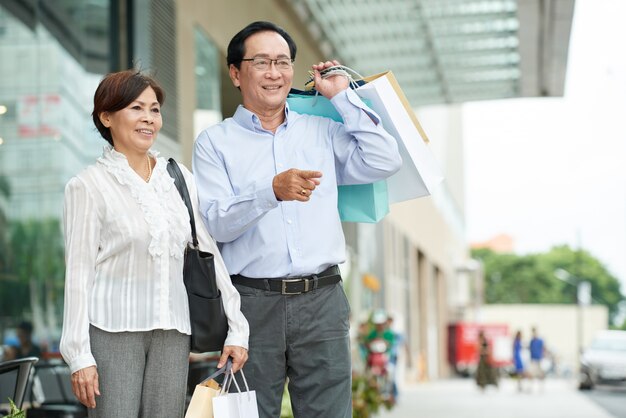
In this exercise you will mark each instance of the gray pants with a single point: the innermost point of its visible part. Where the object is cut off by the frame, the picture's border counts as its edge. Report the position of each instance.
(141, 374)
(306, 338)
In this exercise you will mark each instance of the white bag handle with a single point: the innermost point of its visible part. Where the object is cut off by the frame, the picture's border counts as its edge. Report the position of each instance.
(342, 70)
(229, 379)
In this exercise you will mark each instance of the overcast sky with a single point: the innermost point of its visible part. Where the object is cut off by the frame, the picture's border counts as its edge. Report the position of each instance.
(553, 171)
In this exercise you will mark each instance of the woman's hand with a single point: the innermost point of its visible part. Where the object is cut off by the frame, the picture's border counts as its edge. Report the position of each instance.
(85, 386)
(239, 355)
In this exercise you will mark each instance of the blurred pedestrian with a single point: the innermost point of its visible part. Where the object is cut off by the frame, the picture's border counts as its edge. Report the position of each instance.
(126, 329)
(380, 343)
(26, 348)
(398, 341)
(361, 338)
(537, 354)
(381, 330)
(485, 372)
(517, 359)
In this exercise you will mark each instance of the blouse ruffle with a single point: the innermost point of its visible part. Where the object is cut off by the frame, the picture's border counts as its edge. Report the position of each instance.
(168, 224)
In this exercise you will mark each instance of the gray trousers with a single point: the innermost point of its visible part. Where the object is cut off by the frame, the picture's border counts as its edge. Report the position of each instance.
(141, 374)
(306, 338)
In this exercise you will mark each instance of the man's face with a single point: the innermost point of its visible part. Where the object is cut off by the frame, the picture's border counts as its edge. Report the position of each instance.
(263, 91)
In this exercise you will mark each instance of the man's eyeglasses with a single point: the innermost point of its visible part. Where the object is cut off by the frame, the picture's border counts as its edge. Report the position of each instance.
(264, 64)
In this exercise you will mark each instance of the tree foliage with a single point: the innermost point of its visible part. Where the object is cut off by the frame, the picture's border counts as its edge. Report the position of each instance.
(36, 265)
(5, 192)
(531, 278)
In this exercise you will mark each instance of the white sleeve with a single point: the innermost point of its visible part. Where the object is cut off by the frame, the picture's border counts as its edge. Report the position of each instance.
(238, 330)
(81, 225)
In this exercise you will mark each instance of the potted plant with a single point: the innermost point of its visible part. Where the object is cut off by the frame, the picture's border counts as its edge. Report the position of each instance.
(14, 411)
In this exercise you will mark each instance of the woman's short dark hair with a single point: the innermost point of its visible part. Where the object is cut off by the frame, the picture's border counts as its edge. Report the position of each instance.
(118, 90)
(236, 47)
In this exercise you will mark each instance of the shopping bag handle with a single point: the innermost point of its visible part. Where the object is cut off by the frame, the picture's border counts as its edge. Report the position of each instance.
(352, 76)
(226, 369)
(230, 378)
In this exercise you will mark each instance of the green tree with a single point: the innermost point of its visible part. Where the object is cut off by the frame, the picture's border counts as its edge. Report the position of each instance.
(5, 253)
(36, 271)
(511, 278)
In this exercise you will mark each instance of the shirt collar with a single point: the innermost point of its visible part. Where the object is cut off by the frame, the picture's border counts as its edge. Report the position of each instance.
(251, 122)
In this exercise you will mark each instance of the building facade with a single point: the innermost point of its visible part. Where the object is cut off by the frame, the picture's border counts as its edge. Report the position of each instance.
(55, 53)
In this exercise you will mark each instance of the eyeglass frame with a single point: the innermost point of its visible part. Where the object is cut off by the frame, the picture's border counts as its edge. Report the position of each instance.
(271, 61)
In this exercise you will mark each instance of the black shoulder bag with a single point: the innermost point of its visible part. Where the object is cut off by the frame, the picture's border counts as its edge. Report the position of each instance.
(209, 325)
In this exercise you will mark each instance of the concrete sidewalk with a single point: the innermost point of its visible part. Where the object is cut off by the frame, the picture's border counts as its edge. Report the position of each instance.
(461, 398)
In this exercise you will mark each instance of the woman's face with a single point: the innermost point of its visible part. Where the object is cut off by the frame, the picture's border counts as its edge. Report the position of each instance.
(135, 128)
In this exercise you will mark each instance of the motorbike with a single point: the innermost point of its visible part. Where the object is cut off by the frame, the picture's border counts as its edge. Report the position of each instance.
(378, 367)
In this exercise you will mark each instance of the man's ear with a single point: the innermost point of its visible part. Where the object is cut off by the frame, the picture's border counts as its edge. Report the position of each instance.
(233, 72)
(105, 119)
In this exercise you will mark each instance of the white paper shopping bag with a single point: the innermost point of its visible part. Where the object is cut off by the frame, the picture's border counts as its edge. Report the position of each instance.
(420, 172)
(235, 405)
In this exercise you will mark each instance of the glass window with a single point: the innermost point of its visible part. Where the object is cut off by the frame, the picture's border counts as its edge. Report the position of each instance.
(53, 56)
(208, 106)
(207, 72)
(154, 51)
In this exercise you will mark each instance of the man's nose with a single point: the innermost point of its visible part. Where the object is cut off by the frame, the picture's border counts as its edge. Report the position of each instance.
(273, 70)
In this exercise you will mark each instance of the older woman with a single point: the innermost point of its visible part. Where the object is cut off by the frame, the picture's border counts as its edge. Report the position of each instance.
(126, 322)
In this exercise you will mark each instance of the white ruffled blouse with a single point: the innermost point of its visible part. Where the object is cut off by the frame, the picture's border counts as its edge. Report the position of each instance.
(124, 251)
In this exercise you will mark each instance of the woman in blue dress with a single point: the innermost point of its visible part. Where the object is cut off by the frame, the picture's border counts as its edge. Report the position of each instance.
(517, 359)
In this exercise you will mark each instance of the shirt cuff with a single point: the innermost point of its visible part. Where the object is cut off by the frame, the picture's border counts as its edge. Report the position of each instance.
(266, 195)
(348, 101)
(237, 339)
(82, 361)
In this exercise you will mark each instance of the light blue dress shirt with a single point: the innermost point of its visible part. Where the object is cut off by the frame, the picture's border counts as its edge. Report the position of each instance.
(235, 161)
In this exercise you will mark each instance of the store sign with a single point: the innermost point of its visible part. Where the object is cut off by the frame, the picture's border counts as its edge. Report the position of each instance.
(38, 116)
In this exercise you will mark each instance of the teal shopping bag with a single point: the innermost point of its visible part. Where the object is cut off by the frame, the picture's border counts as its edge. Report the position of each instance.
(309, 104)
(363, 202)
(356, 203)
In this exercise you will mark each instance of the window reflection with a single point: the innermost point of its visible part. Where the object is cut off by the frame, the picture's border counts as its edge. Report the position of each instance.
(53, 56)
(208, 105)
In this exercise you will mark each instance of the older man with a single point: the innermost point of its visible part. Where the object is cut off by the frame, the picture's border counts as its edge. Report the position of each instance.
(267, 181)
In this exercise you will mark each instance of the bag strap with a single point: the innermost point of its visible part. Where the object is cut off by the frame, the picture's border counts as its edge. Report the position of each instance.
(226, 368)
(181, 185)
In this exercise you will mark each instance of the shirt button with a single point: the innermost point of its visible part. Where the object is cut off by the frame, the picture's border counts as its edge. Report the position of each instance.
(289, 221)
(280, 165)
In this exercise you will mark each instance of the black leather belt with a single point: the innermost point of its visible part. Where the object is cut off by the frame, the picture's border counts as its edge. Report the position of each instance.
(291, 285)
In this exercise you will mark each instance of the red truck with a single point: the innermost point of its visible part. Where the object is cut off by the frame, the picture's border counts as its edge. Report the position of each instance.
(463, 345)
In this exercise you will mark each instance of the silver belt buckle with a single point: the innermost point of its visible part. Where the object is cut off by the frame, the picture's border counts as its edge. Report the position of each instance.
(284, 286)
